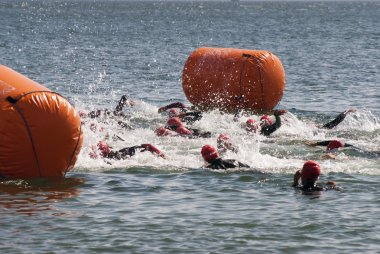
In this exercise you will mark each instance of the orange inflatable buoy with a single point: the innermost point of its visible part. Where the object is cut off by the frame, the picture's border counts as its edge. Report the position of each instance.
(231, 79)
(40, 132)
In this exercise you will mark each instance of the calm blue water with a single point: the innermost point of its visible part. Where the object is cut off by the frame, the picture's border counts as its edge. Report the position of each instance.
(94, 51)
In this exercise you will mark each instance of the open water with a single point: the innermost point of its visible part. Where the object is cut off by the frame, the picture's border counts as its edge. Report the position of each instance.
(94, 51)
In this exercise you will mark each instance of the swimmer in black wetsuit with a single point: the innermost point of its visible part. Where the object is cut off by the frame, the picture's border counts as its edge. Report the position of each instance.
(186, 114)
(175, 124)
(118, 112)
(266, 125)
(211, 155)
(124, 153)
(309, 174)
(338, 119)
(124, 101)
(334, 145)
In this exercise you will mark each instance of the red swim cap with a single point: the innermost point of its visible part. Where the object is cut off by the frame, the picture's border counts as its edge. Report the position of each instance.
(209, 153)
(173, 113)
(82, 113)
(104, 148)
(223, 137)
(162, 131)
(334, 144)
(310, 170)
(266, 120)
(251, 125)
(174, 122)
(183, 131)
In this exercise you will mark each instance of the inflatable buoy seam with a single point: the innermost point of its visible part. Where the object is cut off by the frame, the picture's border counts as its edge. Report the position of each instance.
(13, 102)
(260, 78)
(241, 96)
(75, 149)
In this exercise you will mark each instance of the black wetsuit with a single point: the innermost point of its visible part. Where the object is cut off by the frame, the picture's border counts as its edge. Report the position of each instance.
(267, 130)
(219, 163)
(327, 142)
(359, 151)
(123, 153)
(196, 133)
(189, 117)
(336, 121)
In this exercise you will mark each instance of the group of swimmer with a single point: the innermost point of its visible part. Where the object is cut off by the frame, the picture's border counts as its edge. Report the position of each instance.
(180, 117)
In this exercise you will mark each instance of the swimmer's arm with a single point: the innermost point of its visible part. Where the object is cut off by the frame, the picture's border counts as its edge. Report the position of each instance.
(266, 131)
(328, 156)
(296, 178)
(172, 105)
(338, 119)
(124, 100)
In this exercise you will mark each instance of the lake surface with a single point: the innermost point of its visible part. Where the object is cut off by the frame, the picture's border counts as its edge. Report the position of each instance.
(93, 52)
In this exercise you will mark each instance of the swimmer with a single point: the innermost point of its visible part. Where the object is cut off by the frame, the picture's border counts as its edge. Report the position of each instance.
(338, 119)
(224, 144)
(105, 113)
(332, 146)
(186, 114)
(266, 126)
(124, 153)
(175, 124)
(309, 175)
(211, 155)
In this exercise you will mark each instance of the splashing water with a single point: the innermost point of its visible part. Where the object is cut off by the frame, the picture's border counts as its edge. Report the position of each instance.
(283, 152)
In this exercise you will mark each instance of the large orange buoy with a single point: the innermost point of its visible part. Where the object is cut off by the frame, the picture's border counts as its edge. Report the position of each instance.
(231, 79)
(40, 132)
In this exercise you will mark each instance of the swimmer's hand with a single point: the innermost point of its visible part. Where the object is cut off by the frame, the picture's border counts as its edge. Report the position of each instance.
(279, 112)
(152, 149)
(310, 143)
(328, 156)
(350, 110)
(331, 183)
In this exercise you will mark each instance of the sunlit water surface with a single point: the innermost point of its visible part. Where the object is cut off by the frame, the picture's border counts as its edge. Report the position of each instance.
(93, 52)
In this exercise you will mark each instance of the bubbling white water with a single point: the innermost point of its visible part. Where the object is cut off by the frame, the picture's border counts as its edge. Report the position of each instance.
(282, 152)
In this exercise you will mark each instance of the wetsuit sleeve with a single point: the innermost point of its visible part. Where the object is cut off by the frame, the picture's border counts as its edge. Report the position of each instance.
(128, 151)
(225, 164)
(243, 165)
(267, 130)
(336, 121)
(114, 155)
(323, 143)
(296, 178)
(196, 115)
(173, 105)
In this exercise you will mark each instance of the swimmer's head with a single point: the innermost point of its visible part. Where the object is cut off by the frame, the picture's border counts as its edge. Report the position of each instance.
(174, 122)
(310, 173)
(251, 125)
(82, 114)
(183, 131)
(209, 153)
(265, 121)
(334, 144)
(173, 113)
(223, 138)
(104, 148)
